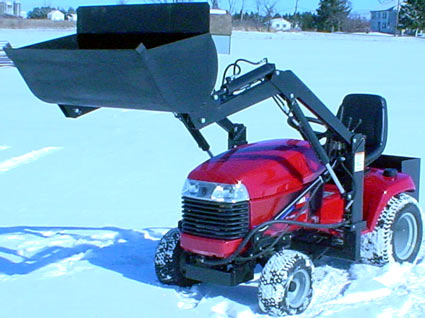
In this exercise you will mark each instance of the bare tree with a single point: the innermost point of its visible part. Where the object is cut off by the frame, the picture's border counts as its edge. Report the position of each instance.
(269, 7)
(214, 4)
(266, 7)
(232, 5)
(258, 14)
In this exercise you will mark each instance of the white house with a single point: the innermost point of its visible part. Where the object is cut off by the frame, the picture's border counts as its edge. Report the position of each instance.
(56, 15)
(279, 24)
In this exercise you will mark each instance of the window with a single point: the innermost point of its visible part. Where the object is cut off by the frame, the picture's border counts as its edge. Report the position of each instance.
(384, 25)
(384, 15)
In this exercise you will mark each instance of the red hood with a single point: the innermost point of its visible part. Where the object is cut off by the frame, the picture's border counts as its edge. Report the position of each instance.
(265, 168)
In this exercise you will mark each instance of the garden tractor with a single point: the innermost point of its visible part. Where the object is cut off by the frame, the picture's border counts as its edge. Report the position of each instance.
(282, 204)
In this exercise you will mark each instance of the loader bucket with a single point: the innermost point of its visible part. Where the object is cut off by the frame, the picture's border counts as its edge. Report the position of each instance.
(154, 57)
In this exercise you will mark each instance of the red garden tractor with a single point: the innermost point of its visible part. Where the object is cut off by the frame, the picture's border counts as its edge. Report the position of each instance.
(280, 203)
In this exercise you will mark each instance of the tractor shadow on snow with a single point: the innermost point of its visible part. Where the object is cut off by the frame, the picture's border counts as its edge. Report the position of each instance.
(127, 252)
(25, 249)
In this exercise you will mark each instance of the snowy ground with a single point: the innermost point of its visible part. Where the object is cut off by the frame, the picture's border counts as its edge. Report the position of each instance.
(84, 202)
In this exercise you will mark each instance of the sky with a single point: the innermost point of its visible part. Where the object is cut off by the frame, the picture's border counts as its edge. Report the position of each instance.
(284, 6)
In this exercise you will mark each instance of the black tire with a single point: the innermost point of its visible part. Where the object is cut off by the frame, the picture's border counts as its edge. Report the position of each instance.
(285, 286)
(167, 260)
(397, 235)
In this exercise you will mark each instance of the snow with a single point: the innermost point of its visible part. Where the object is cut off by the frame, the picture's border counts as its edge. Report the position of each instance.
(26, 158)
(84, 202)
(218, 11)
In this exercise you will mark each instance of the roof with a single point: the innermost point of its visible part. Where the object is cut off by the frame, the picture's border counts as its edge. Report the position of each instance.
(389, 9)
(56, 13)
(280, 19)
(389, 5)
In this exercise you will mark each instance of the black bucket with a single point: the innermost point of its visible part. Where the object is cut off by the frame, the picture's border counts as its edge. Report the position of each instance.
(154, 57)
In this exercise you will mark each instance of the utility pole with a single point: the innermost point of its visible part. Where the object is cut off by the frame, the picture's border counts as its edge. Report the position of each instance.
(397, 18)
(295, 13)
(296, 7)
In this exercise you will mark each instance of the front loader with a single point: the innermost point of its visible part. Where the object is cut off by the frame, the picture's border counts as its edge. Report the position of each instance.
(281, 203)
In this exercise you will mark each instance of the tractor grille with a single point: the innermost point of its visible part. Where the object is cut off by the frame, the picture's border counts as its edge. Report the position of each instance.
(219, 220)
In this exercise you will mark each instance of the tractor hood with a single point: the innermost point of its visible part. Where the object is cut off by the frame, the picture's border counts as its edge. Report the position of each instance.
(265, 168)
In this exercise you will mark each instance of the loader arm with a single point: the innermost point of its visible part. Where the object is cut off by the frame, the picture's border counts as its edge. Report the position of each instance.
(284, 83)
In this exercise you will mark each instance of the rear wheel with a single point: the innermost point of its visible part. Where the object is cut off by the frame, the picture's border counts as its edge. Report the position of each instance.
(397, 235)
(167, 260)
(285, 286)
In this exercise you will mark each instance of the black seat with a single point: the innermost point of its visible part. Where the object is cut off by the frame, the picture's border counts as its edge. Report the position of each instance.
(366, 114)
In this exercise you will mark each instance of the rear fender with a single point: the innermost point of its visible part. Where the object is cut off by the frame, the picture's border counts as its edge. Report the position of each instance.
(379, 190)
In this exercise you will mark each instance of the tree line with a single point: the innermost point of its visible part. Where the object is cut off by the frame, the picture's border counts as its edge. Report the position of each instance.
(330, 16)
(42, 12)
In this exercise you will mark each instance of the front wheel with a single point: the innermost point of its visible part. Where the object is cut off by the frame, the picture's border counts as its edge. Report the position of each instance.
(168, 256)
(397, 235)
(285, 286)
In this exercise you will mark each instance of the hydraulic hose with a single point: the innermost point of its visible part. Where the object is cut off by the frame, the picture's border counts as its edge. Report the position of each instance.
(263, 226)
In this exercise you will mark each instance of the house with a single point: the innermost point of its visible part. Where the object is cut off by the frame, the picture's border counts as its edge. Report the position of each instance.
(56, 15)
(279, 24)
(384, 19)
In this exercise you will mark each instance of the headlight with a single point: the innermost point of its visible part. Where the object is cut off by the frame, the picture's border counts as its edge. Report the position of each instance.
(219, 192)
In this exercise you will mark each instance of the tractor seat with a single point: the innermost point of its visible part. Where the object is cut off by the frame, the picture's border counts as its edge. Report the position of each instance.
(366, 114)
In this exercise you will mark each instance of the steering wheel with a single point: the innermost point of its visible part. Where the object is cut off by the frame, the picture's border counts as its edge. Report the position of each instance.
(320, 135)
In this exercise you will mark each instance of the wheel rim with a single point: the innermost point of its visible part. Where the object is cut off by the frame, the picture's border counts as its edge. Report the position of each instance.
(298, 288)
(405, 233)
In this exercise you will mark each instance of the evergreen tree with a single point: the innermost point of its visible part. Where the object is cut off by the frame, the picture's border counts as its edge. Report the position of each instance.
(39, 13)
(306, 21)
(412, 15)
(70, 11)
(331, 14)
